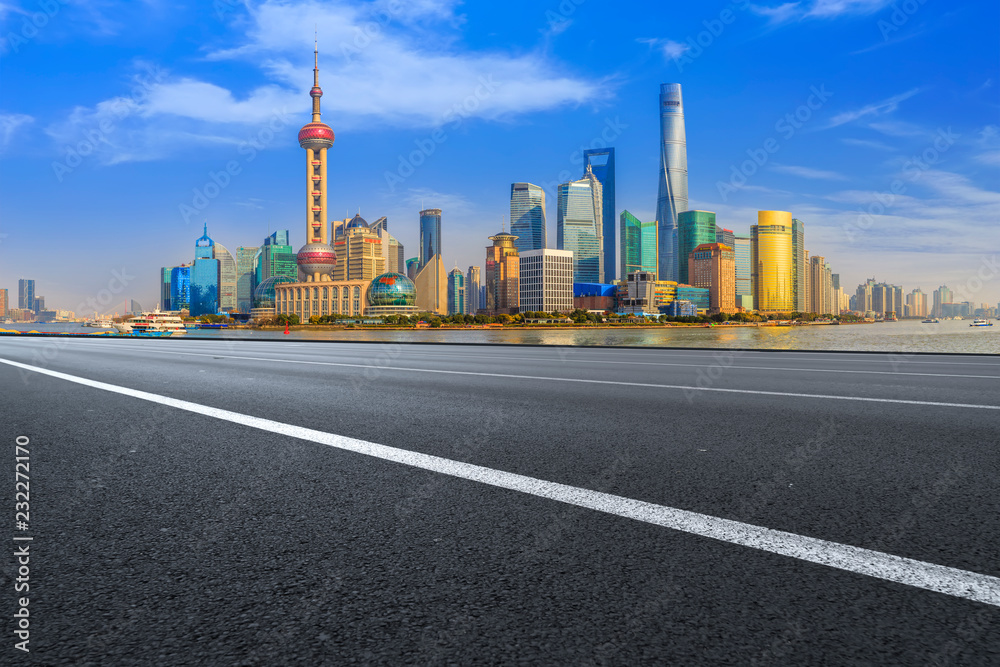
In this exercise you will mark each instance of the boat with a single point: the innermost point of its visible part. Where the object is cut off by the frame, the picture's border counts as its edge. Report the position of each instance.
(213, 326)
(981, 323)
(931, 321)
(100, 323)
(153, 324)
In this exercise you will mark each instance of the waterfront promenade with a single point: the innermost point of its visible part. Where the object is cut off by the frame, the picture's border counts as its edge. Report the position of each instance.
(265, 502)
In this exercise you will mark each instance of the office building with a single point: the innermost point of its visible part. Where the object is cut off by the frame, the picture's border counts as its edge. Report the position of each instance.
(771, 262)
(244, 278)
(713, 265)
(456, 292)
(4, 302)
(432, 287)
(359, 253)
(673, 179)
(275, 258)
(204, 277)
(165, 288)
(527, 216)
(472, 289)
(916, 304)
(180, 287)
(637, 294)
(430, 236)
(545, 280)
(942, 296)
(503, 274)
(227, 278)
(638, 244)
(579, 226)
(392, 249)
(602, 164)
(725, 236)
(741, 247)
(25, 294)
(699, 296)
(39, 304)
(800, 281)
(819, 293)
(694, 228)
(412, 265)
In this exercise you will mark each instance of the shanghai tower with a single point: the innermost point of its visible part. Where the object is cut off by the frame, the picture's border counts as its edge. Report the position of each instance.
(673, 195)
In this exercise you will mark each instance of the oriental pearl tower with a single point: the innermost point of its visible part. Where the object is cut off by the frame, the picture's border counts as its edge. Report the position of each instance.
(316, 259)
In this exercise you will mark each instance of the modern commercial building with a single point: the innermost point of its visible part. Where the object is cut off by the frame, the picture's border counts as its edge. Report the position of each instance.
(820, 287)
(392, 249)
(4, 302)
(744, 287)
(527, 216)
(432, 287)
(165, 288)
(681, 308)
(713, 265)
(308, 299)
(412, 265)
(391, 294)
(546, 280)
(204, 277)
(673, 180)
(771, 262)
(503, 274)
(244, 278)
(638, 244)
(942, 296)
(430, 235)
(359, 251)
(916, 304)
(725, 236)
(601, 162)
(180, 287)
(579, 226)
(39, 304)
(800, 281)
(637, 294)
(25, 294)
(595, 296)
(275, 258)
(227, 278)
(472, 289)
(699, 296)
(456, 292)
(694, 228)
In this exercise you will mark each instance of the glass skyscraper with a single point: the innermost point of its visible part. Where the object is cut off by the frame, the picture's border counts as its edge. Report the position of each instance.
(638, 245)
(579, 226)
(771, 262)
(227, 278)
(26, 294)
(527, 216)
(673, 194)
(693, 229)
(275, 258)
(165, 288)
(800, 281)
(180, 288)
(456, 292)
(741, 244)
(430, 235)
(204, 277)
(245, 278)
(602, 163)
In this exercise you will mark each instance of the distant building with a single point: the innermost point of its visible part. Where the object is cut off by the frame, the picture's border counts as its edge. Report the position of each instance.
(699, 296)
(546, 280)
(694, 228)
(391, 294)
(637, 294)
(800, 268)
(502, 276)
(916, 304)
(359, 252)
(4, 302)
(601, 162)
(392, 249)
(39, 304)
(772, 262)
(456, 292)
(942, 295)
(204, 277)
(315, 298)
(725, 236)
(227, 278)
(744, 288)
(472, 289)
(244, 278)
(430, 236)
(680, 308)
(412, 265)
(579, 226)
(432, 287)
(180, 287)
(672, 197)
(638, 244)
(713, 265)
(595, 296)
(275, 258)
(165, 287)
(25, 294)
(527, 216)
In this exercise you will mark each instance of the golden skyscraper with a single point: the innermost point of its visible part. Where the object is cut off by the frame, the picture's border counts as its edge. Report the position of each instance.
(772, 262)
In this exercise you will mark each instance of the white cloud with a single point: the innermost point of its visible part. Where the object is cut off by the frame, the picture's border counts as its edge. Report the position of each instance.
(867, 143)
(779, 13)
(819, 9)
(807, 172)
(670, 49)
(9, 122)
(886, 106)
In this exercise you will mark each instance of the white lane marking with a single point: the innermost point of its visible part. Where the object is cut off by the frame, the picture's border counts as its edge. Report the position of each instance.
(759, 392)
(920, 574)
(577, 360)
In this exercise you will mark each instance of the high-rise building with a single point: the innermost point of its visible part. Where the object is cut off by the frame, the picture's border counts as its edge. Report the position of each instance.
(456, 292)
(820, 302)
(503, 275)
(741, 246)
(275, 258)
(204, 277)
(546, 280)
(412, 265)
(227, 278)
(39, 304)
(472, 286)
(694, 228)
(771, 262)
(165, 288)
(245, 278)
(725, 236)
(315, 260)
(673, 188)
(432, 287)
(430, 236)
(527, 216)
(359, 252)
(801, 267)
(713, 265)
(602, 163)
(916, 304)
(4, 302)
(942, 295)
(180, 287)
(579, 226)
(25, 294)
(638, 244)
(392, 249)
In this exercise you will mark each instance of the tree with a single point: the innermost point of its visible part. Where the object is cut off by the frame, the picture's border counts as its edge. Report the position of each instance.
(435, 322)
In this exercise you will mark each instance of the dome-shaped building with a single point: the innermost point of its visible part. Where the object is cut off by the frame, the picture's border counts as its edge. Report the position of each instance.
(264, 298)
(391, 294)
(316, 262)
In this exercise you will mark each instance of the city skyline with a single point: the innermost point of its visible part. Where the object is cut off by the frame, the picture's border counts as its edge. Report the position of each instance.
(930, 233)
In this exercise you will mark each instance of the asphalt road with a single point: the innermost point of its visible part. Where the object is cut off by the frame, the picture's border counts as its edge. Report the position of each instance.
(167, 533)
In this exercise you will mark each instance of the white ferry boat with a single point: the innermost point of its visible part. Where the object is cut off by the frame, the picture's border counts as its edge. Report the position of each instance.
(100, 323)
(981, 323)
(154, 323)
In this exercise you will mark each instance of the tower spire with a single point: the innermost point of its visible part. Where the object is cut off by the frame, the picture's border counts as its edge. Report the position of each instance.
(316, 91)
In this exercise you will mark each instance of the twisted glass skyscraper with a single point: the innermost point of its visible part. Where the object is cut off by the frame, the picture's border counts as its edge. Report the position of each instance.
(673, 196)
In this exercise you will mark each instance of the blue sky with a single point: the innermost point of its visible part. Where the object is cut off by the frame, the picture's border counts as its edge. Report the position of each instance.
(115, 115)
